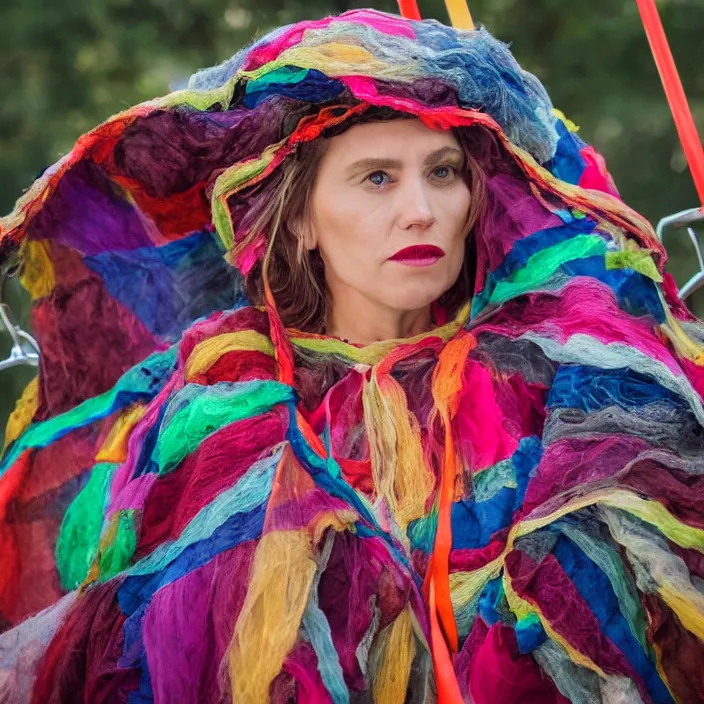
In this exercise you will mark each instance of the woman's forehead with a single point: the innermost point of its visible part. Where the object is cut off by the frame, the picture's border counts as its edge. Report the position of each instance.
(400, 139)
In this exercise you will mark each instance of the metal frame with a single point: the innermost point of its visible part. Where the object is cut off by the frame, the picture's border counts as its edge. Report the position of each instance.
(25, 350)
(686, 218)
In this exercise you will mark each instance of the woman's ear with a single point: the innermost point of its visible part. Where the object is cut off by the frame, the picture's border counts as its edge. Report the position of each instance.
(306, 232)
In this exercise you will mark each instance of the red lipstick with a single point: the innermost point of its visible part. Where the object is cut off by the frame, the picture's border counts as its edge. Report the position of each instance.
(418, 255)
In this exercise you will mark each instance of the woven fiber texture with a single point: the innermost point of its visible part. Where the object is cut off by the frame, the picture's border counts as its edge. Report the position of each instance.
(200, 505)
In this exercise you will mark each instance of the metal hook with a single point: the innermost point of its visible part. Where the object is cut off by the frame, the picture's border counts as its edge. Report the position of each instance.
(686, 218)
(25, 350)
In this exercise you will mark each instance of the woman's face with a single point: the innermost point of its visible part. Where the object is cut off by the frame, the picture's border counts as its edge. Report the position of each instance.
(388, 214)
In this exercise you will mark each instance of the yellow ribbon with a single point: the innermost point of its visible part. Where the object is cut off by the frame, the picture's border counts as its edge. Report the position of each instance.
(460, 16)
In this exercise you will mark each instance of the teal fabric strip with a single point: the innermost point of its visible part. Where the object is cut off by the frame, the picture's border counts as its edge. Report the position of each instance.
(252, 490)
(542, 266)
(196, 412)
(318, 631)
(142, 382)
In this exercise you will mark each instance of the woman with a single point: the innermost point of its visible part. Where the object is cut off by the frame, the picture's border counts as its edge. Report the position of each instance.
(436, 434)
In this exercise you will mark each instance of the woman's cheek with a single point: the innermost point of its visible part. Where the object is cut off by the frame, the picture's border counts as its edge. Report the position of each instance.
(459, 210)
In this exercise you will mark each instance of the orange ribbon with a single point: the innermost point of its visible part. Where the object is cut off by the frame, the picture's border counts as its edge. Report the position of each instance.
(681, 113)
(409, 9)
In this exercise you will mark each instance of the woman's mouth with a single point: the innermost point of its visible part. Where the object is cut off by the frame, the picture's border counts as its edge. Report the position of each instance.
(418, 255)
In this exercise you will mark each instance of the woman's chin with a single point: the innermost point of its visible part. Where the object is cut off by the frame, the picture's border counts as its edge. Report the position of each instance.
(414, 299)
(417, 290)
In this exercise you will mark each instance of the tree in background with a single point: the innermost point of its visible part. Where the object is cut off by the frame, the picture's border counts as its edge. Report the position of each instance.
(68, 65)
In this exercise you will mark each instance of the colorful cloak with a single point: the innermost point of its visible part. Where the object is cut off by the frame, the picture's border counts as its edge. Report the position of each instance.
(197, 505)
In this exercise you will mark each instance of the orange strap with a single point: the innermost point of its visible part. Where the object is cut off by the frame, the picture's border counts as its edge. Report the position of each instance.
(445, 678)
(443, 542)
(409, 9)
(460, 16)
(447, 387)
(282, 345)
(682, 115)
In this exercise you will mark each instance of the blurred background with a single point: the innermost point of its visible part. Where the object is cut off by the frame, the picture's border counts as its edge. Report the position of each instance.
(67, 65)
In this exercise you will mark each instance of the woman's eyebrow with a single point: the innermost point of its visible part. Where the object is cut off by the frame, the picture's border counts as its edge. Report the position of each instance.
(443, 153)
(370, 164)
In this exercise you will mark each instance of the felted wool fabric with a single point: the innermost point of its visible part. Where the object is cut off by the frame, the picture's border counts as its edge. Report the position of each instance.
(198, 505)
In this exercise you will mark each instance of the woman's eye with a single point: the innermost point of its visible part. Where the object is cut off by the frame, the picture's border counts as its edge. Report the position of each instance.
(443, 172)
(378, 178)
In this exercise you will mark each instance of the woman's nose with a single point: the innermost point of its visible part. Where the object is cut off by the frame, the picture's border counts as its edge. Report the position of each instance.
(415, 205)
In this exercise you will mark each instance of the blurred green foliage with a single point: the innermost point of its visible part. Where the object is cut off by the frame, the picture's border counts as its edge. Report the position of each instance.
(68, 65)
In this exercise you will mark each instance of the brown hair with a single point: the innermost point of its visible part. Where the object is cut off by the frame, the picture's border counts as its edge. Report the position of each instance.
(297, 276)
